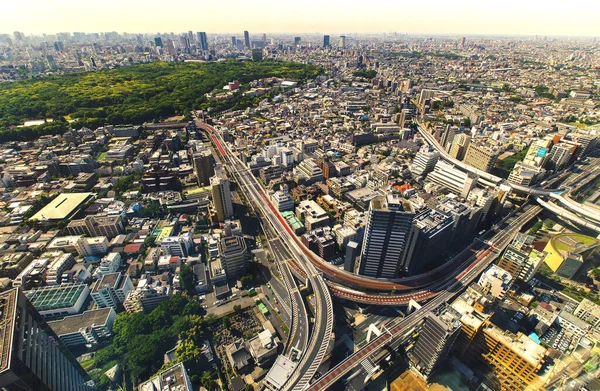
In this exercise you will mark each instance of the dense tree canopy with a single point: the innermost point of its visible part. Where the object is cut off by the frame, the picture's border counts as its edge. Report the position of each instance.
(135, 94)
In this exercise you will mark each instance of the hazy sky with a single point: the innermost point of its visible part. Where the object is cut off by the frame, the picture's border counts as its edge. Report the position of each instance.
(511, 17)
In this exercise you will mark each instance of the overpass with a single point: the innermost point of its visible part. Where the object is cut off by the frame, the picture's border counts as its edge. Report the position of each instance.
(487, 179)
(313, 355)
(402, 328)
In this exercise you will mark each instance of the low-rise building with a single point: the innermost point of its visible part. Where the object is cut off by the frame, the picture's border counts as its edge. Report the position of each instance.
(88, 328)
(111, 290)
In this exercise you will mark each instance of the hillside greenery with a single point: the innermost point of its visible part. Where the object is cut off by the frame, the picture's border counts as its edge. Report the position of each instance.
(136, 94)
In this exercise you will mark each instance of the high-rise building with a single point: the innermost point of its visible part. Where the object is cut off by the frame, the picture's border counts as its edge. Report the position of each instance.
(297, 41)
(560, 155)
(343, 41)
(481, 157)
(204, 166)
(425, 160)
(326, 43)
(428, 239)
(389, 224)
(221, 195)
(459, 146)
(447, 138)
(247, 39)
(426, 95)
(233, 41)
(435, 340)
(202, 41)
(32, 357)
(158, 41)
(234, 256)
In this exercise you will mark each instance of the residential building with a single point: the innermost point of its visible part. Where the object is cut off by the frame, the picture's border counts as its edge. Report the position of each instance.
(313, 215)
(178, 246)
(589, 312)
(111, 290)
(282, 200)
(507, 361)
(424, 161)
(203, 166)
(234, 256)
(174, 378)
(147, 296)
(60, 262)
(460, 144)
(308, 172)
(221, 195)
(108, 226)
(495, 281)
(480, 157)
(436, 338)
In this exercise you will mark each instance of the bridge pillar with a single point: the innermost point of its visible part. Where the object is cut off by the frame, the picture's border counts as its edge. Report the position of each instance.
(412, 305)
(372, 330)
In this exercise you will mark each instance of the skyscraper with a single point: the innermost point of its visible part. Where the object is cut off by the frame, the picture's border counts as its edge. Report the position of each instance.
(297, 41)
(158, 41)
(247, 39)
(32, 357)
(326, 41)
(221, 195)
(428, 239)
(389, 224)
(343, 41)
(233, 41)
(202, 41)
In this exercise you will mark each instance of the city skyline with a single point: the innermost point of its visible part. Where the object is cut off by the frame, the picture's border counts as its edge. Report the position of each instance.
(466, 17)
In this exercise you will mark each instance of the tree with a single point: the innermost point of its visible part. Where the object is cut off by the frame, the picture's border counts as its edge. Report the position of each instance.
(226, 322)
(246, 281)
(207, 381)
(149, 241)
(186, 279)
(237, 308)
(249, 387)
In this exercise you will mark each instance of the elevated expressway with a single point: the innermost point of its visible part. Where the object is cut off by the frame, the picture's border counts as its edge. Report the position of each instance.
(401, 329)
(314, 353)
(341, 283)
(572, 210)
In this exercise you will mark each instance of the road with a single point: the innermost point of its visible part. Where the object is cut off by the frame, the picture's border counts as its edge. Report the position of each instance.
(319, 341)
(402, 328)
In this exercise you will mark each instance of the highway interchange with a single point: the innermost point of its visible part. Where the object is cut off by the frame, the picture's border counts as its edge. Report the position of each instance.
(434, 288)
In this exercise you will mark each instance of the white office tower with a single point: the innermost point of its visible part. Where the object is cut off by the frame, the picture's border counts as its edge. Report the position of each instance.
(453, 179)
(424, 161)
(389, 224)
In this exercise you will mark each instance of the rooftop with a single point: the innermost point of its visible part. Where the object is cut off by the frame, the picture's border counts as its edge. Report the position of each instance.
(62, 206)
(72, 324)
(54, 297)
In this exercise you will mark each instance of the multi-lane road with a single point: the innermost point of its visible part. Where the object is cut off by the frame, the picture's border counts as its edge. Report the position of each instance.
(318, 344)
